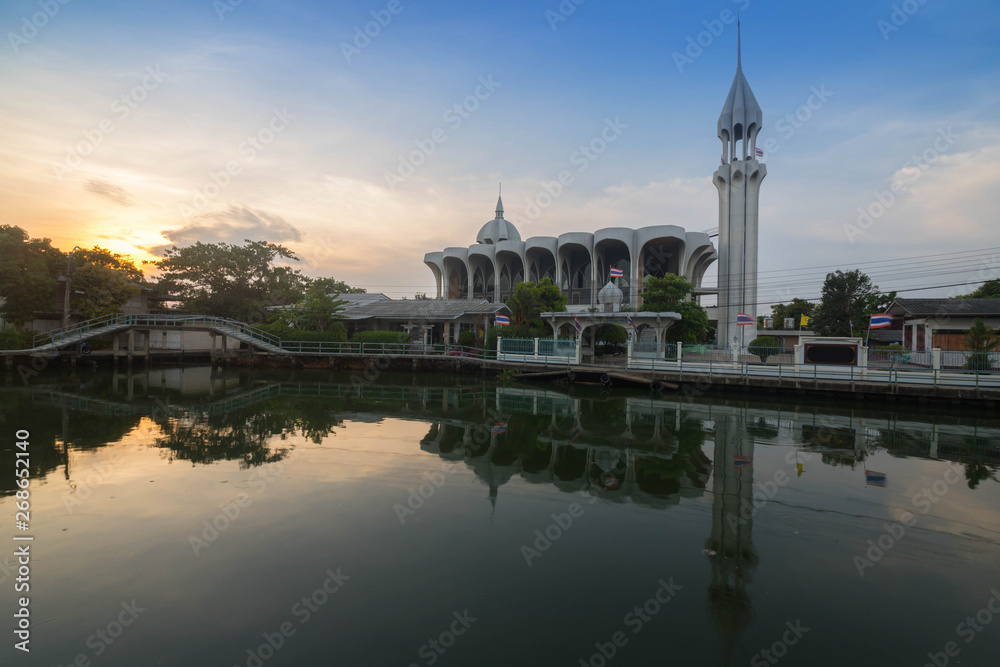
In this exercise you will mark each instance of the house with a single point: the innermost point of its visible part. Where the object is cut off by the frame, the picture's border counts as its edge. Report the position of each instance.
(426, 320)
(942, 323)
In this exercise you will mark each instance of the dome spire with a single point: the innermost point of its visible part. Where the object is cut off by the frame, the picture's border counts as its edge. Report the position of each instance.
(500, 203)
(741, 116)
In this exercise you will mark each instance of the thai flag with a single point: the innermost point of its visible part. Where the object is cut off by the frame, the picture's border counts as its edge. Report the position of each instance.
(741, 461)
(742, 319)
(881, 321)
(500, 427)
(873, 478)
(630, 322)
(502, 320)
(617, 273)
(760, 153)
(577, 324)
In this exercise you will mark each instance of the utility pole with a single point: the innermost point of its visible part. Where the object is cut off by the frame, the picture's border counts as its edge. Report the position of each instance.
(69, 261)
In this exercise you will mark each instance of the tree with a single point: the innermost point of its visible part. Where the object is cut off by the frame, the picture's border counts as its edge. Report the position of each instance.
(763, 347)
(29, 270)
(101, 281)
(530, 300)
(670, 294)
(848, 297)
(795, 310)
(228, 280)
(988, 290)
(319, 309)
(611, 337)
(981, 341)
(331, 286)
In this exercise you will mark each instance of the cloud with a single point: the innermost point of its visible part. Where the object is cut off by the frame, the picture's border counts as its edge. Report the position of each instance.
(110, 191)
(233, 225)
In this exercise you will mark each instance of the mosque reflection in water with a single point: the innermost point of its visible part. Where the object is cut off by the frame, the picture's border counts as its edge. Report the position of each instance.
(641, 449)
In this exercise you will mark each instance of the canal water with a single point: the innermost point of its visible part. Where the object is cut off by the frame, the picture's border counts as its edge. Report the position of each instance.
(191, 516)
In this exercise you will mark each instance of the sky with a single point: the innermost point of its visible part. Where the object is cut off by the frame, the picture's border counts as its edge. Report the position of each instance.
(362, 135)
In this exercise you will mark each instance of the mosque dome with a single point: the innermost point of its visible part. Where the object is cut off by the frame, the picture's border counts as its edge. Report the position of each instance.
(610, 298)
(498, 229)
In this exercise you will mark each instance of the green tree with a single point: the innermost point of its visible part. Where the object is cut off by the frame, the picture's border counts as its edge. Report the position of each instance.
(228, 280)
(29, 271)
(528, 301)
(981, 341)
(848, 297)
(319, 310)
(763, 347)
(988, 290)
(331, 286)
(670, 294)
(795, 310)
(611, 337)
(101, 281)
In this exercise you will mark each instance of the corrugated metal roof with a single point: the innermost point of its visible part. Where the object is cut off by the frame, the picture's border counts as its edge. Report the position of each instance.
(420, 309)
(960, 307)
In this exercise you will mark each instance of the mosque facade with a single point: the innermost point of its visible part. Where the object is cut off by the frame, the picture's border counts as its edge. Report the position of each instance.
(580, 263)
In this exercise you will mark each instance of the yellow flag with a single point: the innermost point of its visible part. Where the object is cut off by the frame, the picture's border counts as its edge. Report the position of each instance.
(800, 469)
(805, 321)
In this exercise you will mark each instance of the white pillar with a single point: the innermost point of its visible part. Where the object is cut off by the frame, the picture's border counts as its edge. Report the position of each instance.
(935, 359)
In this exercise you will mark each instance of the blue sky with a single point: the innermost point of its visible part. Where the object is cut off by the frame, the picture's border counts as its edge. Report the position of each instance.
(319, 184)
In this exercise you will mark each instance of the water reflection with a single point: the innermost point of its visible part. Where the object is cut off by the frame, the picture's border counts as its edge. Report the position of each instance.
(649, 459)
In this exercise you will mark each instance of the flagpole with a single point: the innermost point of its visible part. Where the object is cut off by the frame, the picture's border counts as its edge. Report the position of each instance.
(869, 334)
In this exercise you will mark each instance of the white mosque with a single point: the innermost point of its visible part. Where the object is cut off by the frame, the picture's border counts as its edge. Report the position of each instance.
(581, 262)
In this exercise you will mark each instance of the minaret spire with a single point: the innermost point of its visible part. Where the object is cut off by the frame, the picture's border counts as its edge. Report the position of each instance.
(739, 46)
(500, 203)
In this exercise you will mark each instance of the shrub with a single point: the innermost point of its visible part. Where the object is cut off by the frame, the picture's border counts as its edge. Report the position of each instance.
(335, 333)
(467, 339)
(15, 339)
(763, 346)
(381, 337)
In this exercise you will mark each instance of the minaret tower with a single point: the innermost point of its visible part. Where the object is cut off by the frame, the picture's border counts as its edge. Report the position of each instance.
(738, 182)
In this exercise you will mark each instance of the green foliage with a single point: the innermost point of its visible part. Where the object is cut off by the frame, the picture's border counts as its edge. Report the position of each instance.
(848, 297)
(467, 339)
(763, 346)
(29, 269)
(611, 338)
(528, 301)
(334, 333)
(228, 280)
(319, 309)
(98, 290)
(381, 337)
(988, 290)
(15, 339)
(981, 341)
(331, 286)
(491, 338)
(669, 294)
(795, 310)
(507, 376)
